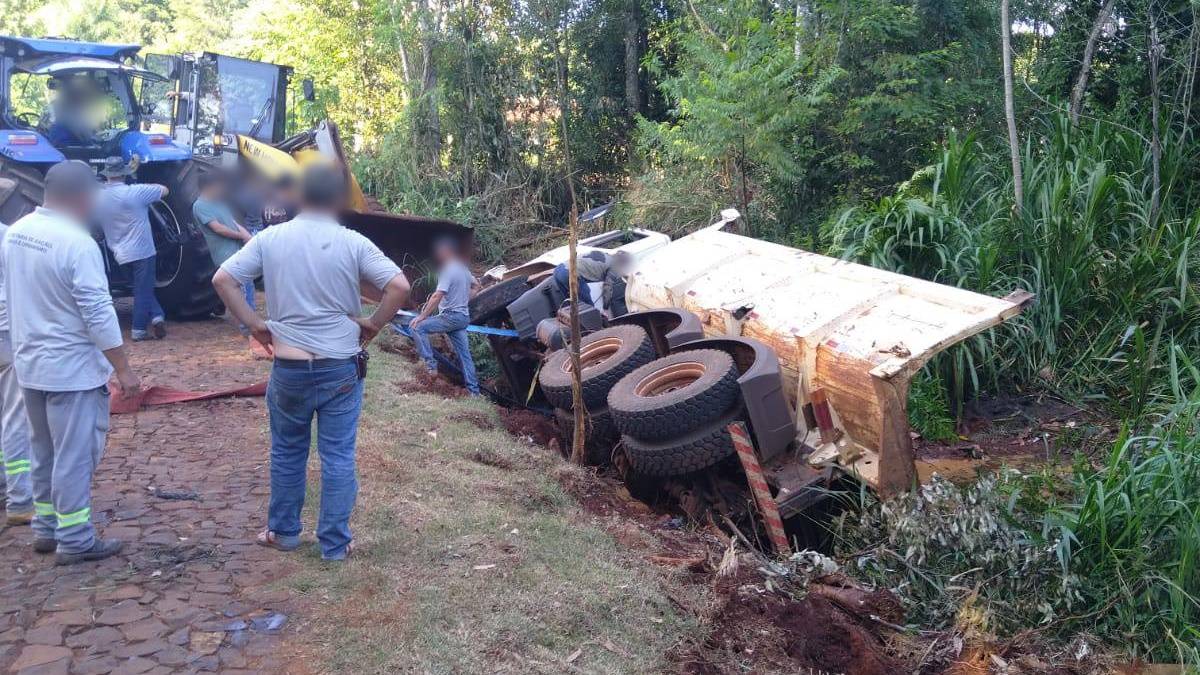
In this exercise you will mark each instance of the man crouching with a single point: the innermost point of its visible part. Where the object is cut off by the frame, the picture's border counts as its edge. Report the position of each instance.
(313, 271)
(66, 345)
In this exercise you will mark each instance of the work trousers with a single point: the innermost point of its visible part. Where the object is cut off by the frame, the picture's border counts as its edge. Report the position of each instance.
(455, 328)
(330, 391)
(14, 434)
(145, 304)
(67, 433)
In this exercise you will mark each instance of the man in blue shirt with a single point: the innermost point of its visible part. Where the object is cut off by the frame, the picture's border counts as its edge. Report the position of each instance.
(451, 299)
(124, 213)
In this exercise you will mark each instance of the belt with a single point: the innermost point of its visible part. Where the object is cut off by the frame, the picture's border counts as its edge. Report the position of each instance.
(313, 364)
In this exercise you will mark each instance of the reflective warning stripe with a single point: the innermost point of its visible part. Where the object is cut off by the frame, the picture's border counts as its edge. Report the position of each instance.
(43, 508)
(16, 466)
(76, 518)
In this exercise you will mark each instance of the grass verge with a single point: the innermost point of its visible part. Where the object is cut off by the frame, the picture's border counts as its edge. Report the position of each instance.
(472, 558)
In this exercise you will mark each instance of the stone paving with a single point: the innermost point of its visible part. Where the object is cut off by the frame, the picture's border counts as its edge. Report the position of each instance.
(191, 592)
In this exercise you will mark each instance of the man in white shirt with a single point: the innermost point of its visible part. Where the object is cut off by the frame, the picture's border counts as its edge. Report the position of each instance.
(66, 345)
(124, 214)
(14, 428)
(314, 272)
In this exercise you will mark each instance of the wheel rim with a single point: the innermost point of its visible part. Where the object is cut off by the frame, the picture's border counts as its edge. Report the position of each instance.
(672, 378)
(595, 353)
(168, 244)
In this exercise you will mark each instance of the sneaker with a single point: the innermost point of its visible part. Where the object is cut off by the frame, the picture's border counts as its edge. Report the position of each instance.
(158, 327)
(101, 549)
(44, 546)
(140, 335)
(16, 518)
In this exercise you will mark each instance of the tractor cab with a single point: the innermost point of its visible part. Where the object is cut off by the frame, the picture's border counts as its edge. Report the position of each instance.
(203, 100)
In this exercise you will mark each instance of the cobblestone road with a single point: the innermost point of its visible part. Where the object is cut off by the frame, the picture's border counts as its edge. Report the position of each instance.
(191, 591)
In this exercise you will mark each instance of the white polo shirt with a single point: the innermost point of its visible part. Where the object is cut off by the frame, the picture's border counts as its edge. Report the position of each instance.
(60, 311)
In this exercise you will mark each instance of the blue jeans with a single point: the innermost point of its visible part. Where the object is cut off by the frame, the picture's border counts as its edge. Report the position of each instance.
(455, 328)
(145, 304)
(331, 391)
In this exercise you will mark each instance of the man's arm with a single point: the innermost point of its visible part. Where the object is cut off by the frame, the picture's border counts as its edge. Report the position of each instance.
(395, 295)
(237, 232)
(245, 264)
(427, 311)
(89, 287)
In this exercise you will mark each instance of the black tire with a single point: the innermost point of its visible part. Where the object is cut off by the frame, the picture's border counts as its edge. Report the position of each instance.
(693, 451)
(607, 355)
(491, 303)
(671, 396)
(26, 194)
(184, 267)
(601, 436)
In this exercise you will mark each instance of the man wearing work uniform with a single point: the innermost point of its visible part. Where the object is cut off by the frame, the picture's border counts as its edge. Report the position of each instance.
(314, 272)
(452, 301)
(66, 345)
(124, 214)
(14, 428)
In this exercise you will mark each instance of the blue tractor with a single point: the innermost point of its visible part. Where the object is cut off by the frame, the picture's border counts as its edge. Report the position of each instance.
(63, 99)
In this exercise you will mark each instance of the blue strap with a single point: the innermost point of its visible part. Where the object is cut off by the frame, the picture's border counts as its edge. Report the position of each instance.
(402, 327)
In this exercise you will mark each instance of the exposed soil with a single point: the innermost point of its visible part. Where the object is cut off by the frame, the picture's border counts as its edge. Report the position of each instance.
(185, 486)
(1020, 426)
(480, 420)
(529, 424)
(425, 382)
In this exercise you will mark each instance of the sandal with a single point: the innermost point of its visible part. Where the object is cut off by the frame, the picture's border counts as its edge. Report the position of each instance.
(271, 540)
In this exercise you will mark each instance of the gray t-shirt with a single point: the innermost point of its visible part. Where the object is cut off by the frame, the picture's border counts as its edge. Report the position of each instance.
(455, 280)
(123, 213)
(311, 268)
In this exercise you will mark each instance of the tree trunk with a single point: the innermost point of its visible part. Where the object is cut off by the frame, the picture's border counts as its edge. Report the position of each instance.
(1085, 66)
(431, 123)
(633, 57)
(1010, 113)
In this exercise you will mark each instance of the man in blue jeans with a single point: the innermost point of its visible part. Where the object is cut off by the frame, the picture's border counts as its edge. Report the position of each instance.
(451, 299)
(313, 270)
(123, 211)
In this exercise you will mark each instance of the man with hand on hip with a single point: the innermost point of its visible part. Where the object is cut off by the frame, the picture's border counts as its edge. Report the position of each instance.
(314, 272)
(66, 345)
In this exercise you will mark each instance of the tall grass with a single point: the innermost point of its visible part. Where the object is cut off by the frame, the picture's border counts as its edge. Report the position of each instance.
(1115, 281)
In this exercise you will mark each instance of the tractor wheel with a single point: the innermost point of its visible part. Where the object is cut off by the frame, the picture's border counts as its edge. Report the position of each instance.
(694, 451)
(606, 356)
(491, 303)
(671, 396)
(183, 266)
(21, 188)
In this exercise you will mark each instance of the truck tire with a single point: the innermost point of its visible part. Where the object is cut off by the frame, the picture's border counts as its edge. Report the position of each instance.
(674, 395)
(491, 303)
(602, 436)
(183, 266)
(696, 450)
(606, 356)
(21, 196)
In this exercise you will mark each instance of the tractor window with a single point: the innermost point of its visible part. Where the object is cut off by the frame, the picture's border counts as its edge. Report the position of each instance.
(237, 97)
(158, 106)
(73, 109)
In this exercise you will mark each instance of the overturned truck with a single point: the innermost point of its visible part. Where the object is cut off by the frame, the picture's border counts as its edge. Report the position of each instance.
(812, 353)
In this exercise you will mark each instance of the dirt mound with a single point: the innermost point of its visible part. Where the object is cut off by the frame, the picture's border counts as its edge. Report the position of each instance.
(480, 420)
(529, 424)
(424, 382)
(766, 632)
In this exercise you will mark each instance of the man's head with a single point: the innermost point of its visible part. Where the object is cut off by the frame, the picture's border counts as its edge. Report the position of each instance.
(116, 169)
(212, 185)
(446, 249)
(323, 188)
(71, 189)
(622, 262)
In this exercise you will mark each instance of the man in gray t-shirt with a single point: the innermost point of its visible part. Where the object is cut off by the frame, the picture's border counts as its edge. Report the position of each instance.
(314, 272)
(451, 298)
